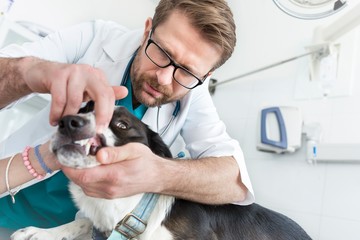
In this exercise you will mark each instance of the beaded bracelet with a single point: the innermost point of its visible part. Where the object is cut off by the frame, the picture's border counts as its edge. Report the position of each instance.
(27, 163)
(41, 160)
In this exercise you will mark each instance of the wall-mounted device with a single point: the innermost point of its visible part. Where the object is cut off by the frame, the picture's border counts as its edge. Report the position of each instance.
(332, 74)
(310, 9)
(319, 151)
(280, 129)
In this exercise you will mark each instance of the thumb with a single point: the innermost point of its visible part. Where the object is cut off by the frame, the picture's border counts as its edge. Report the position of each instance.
(108, 155)
(120, 92)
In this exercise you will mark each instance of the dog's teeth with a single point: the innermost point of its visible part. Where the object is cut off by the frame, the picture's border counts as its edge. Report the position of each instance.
(82, 142)
(87, 148)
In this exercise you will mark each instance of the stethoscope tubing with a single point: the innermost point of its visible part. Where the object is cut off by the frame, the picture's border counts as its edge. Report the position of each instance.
(173, 116)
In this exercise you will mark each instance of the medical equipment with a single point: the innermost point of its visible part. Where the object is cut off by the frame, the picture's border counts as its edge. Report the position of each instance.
(5, 6)
(310, 9)
(319, 151)
(173, 116)
(280, 129)
(332, 152)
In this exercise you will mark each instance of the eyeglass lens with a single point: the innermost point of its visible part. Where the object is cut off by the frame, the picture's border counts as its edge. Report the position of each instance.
(159, 57)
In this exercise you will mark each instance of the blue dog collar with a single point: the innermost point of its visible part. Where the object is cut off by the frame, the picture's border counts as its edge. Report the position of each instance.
(134, 223)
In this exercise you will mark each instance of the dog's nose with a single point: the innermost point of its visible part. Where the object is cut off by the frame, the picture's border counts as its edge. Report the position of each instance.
(70, 124)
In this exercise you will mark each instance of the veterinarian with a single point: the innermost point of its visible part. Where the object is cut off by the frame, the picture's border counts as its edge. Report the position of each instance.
(160, 74)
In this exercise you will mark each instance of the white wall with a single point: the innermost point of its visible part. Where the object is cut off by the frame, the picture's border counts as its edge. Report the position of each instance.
(61, 13)
(323, 198)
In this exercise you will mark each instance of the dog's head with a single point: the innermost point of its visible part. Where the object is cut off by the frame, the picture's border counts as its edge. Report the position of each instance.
(76, 143)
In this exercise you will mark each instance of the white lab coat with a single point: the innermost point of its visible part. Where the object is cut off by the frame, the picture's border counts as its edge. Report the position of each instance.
(108, 46)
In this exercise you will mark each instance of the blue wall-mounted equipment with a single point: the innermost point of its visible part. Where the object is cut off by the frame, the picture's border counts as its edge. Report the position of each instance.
(280, 129)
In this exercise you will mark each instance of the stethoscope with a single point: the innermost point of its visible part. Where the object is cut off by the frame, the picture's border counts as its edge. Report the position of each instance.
(174, 114)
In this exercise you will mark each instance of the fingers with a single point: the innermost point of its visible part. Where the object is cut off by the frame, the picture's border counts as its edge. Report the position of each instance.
(100, 181)
(104, 109)
(75, 91)
(120, 92)
(70, 85)
(123, 175)
(67, 90)
(58, 101)
(85, 176)
(79, 83)
(104, 105)
(56, 110)
(108, 155)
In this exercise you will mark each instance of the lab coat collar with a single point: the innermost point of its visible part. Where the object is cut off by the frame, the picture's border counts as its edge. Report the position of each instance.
(117, 51)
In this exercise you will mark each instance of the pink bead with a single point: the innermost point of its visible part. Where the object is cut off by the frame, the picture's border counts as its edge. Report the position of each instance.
(27, 163)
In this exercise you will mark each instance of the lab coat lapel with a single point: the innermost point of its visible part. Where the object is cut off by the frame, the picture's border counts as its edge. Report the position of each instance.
(117, 54)
(114, 71)
(118, 49)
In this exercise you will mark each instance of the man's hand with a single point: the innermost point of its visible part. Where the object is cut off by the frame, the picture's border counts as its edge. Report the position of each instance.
(70, 85)
(126, 171)
(133, 168)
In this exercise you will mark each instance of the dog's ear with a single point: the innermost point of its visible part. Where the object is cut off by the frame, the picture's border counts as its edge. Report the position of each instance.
(89, 107)
(157, 145)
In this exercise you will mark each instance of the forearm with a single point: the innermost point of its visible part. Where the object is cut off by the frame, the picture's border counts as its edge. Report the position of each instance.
(12, 84)
(18, 174)
(207, 180)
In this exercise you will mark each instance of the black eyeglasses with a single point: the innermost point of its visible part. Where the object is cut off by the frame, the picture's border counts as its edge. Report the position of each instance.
(162, 59)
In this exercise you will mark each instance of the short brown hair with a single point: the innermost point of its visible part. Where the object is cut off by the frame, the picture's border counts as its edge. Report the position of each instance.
(213, 18)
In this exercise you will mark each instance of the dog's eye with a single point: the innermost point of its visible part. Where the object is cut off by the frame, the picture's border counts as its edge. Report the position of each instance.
(121, 125)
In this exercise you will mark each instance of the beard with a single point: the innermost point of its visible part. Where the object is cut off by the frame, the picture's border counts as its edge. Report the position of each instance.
(147, 99)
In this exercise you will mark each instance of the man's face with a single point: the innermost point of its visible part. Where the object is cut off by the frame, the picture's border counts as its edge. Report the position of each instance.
(154, 86)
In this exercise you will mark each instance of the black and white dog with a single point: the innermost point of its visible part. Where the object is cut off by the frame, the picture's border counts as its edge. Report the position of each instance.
(75, 145)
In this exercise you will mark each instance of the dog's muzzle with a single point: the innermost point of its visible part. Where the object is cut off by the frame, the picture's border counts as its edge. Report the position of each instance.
(76, 141)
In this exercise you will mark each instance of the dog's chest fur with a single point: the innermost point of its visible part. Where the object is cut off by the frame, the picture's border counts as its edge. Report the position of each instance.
(106, 213)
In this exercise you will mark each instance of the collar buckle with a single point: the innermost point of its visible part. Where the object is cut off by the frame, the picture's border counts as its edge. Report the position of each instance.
(131, 226)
